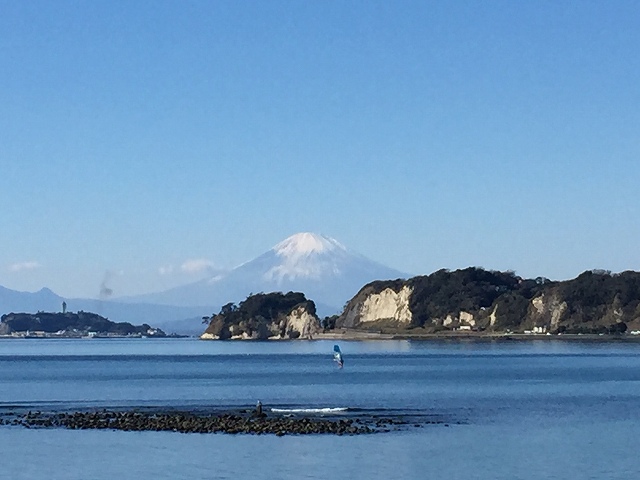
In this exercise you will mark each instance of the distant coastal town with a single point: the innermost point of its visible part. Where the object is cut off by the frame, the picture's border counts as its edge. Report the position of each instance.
(71, 325)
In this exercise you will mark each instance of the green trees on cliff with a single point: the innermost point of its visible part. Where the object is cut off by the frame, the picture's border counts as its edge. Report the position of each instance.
(596, 301)
(257, 315)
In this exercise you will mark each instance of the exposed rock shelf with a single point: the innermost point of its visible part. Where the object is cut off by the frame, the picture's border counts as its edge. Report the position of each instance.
(243, 422)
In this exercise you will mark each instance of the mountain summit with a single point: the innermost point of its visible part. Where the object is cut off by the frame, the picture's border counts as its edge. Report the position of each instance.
(319, 266)
(306, 256)
(306, 243)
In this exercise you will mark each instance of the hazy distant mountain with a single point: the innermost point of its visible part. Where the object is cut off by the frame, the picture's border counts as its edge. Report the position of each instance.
(319, 266)
(29, 302)
(172, 319)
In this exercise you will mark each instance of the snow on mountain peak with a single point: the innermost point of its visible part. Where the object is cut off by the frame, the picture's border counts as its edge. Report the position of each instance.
(305, 243)
(306, 255)
(319, 266)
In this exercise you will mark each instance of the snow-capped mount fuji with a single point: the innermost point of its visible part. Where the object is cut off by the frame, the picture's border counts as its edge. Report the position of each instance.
(305, 256)
(319, 266)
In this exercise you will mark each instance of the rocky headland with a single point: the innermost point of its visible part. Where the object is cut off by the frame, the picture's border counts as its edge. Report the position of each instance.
(478, 300)
(471, 301)
(265, 316)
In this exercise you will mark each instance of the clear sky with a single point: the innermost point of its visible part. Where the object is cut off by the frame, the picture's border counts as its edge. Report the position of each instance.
(142, 141)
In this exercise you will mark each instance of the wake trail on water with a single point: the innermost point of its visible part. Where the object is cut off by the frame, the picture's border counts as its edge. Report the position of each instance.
(310, 410)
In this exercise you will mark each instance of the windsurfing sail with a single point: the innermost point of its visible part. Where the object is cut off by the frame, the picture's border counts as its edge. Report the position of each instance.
(337, 356)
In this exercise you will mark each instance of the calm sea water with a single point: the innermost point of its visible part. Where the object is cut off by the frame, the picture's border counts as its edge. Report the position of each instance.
(514, 410)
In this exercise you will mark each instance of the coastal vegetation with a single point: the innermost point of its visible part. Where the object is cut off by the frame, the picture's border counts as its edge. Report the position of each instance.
(69, 324)
(265, 315)
(475, 299)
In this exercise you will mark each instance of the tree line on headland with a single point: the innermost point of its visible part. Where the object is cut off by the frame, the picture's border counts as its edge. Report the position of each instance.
(70, 324)
(594, 302)
(265, 315)
(473, 299)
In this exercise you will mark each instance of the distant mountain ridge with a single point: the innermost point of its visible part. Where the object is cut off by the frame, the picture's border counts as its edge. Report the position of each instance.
(319, 266)
(184, 320)
(44, 300)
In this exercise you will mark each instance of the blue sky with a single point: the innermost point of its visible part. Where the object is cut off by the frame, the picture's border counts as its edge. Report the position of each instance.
(141, 141)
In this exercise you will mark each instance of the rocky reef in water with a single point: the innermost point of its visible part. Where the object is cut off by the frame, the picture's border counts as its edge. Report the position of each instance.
(474, 299)
(265, 316)
(70, 324)
(239, 422)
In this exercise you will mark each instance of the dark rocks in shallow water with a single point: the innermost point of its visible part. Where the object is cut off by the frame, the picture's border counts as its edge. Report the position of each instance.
(185, 422)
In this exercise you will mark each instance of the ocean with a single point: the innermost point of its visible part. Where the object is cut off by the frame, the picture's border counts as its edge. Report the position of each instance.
(506, 409)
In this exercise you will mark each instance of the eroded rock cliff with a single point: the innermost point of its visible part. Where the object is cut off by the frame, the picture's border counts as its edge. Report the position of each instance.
(265, 316)
(477, 299)
(389, 304)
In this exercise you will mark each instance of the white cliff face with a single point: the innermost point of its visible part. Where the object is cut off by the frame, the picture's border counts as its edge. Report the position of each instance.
(463, 318)
(467, 318)
(494, 316)
(551, 308)
(298, 320)
(386, 305)
(301, 321)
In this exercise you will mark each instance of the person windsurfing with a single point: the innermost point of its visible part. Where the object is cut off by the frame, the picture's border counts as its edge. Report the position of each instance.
(337, 356)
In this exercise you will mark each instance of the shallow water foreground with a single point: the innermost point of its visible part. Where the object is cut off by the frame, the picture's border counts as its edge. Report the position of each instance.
(526, 411)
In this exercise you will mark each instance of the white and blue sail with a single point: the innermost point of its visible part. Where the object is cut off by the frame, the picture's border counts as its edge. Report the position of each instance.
(337, 356)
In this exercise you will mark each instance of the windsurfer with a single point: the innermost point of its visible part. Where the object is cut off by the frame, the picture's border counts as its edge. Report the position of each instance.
(337, 356)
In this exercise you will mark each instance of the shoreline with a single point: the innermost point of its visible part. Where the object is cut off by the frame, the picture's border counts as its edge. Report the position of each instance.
(354, 335)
